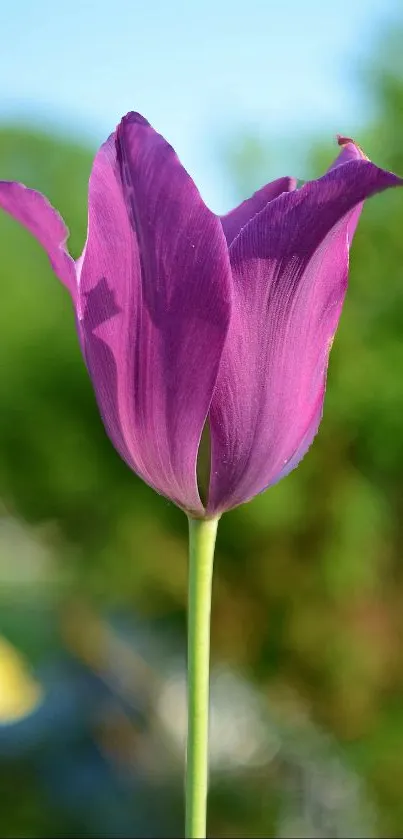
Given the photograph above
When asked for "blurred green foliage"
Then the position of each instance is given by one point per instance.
(309, 577)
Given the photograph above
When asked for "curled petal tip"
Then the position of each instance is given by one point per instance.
(346, 141)
(134, 118)
(342, 141)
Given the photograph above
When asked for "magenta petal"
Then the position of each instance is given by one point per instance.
(233, 221)
(35, 213)
(154, 307)
(290, 267)
(349, 151)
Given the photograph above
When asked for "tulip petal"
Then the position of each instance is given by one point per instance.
(154, 307)
(233, 221)
(35, 213)
(290, 268)
(350, 151)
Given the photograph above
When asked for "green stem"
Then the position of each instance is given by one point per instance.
(202, 536)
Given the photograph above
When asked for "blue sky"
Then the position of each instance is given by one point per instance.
(197, 70)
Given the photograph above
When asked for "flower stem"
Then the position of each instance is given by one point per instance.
(202, 536)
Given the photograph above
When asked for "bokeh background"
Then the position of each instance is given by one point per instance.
(307, 624)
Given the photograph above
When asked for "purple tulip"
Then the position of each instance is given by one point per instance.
(187, 319)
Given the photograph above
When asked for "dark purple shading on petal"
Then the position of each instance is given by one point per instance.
(290, 267)
(154, 308)
(233, 221)
(35, 213)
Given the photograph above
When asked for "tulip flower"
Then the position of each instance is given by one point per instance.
(188, 320)
(193, 324)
